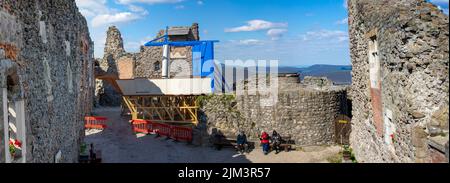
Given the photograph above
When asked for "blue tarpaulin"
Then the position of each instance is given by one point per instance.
(202, 55)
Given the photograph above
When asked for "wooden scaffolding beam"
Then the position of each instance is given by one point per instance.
(164, 109)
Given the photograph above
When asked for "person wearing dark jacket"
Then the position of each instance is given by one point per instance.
(242, 144)
(276, 140)
(265, 142)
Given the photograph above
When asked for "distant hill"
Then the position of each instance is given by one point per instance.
(339, 74)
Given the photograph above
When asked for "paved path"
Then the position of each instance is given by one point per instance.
(120, 145)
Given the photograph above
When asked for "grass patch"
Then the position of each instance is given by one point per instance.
(337, 158)
(348, 152)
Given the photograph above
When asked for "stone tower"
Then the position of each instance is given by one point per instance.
(105, 93)
(114, 43)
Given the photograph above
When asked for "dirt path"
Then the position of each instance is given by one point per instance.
(120, 145)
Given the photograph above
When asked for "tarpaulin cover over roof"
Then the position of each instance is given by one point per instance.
(158, 87)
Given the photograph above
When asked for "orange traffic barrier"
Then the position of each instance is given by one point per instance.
(142, 126)
(175, 132)
(162, 129)
(91, 122)
(181, 133)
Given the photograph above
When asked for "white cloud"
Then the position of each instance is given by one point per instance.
(342, 22)
(276, 34)
(100, 14)
(90, 8)
(256, 25)
(200, 2)
(148, 1)
(138, 9)
(331, 35)
(345, 4)
(247, 42)
(179, 7)
(106, 19)
(132, 46)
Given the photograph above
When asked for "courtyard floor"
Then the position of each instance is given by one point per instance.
(119, 144)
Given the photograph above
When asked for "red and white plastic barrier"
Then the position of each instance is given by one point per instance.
(91, 122)
(142, 126)
(181, 133)
(162, 129)
(170, 131)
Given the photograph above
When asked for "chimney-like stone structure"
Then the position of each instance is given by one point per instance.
(114, 43)
(195, 31)
(106, 95)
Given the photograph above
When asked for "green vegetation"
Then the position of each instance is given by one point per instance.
(12, 150)
(227, 102)
(348, 152)
(224, 97)
(83, 149)
(337, 158)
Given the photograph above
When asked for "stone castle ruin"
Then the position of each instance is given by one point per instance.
(400, 56)
(145, 64)
(398, 103)
(46, 79)
(305, 111)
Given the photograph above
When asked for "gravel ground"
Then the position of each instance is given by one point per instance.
(120, 145)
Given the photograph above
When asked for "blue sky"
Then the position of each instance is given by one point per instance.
(295, 32)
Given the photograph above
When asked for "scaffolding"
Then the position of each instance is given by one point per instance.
(164, 109)
(172, 101)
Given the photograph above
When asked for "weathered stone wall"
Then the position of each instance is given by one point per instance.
(306, 114)
(396, 96)
(50, 55)
(147, 58)
(317, 81)
(180, 57)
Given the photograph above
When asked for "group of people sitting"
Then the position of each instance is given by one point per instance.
(266, 140)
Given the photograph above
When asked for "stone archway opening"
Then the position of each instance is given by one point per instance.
(13, 113)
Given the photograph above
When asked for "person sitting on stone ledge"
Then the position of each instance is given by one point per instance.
(242, 143)
(265, 142)
(276, 141)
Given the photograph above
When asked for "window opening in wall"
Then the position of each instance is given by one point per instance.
(375, 85)
(13, 121)
(374, 63)
(157, 66)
